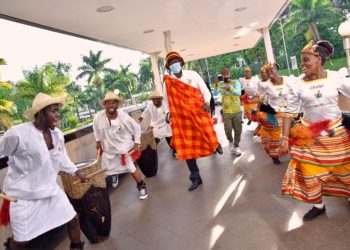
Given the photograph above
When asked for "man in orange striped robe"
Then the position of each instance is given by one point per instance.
(187, 99)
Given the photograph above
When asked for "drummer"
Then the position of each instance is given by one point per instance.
(156, 111)
(117, 134)
(36, 155)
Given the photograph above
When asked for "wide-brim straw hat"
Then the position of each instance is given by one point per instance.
(110, 96)
(41, 101)
(155, 95)
(171, 55)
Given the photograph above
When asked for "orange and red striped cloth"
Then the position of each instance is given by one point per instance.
(193, 129)
(322, 168)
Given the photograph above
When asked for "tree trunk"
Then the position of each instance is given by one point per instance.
(314, 32)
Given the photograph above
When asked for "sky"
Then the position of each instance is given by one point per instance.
(23, 47)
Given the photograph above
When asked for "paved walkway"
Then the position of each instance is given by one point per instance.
(239, 206)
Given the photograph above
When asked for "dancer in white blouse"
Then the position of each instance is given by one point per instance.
(275, 92)
(250, 97)
(320, 145)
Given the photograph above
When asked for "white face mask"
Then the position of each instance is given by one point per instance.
(175, 67)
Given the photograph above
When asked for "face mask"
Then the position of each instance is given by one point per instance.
(227, 79)
(175, 68)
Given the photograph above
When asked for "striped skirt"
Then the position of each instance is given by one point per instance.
(271, 136)
(249, 106)
(322, 168)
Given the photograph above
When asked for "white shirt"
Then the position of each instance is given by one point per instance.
(193, 79)
(119, 136)
(318, 98)
(277, 94)
(33, 169)
(157, 114)
(250, 86)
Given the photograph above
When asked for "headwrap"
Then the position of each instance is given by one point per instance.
(269, 65)
(310, 48)
(247, 69)
(171, 55)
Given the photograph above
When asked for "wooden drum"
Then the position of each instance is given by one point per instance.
(148, 161)
(90, 200)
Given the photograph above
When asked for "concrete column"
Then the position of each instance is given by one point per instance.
(155, 69)
(268, 46)
(167, 41)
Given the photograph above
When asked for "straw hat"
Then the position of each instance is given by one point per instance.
(41, 101)
(155, 95)
(110, 96)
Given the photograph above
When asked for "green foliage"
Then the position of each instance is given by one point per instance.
(72, 121)
(6, 106)
(143, 97)
(93, 67)
(49, 79)
(145, 75)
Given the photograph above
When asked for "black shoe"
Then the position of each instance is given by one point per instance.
(7, 244)
(313, 213)
(219, 149)
(249, 122)
(195, 184)
(77, 246)
(276, 161)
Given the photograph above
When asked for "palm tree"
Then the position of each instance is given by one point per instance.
(45, 80)
(6, 107)
(146, 75)
(73, 91)
(127, 81)
(304, 14)
(93, 67)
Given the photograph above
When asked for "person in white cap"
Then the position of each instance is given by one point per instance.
(117, 134)
(156, 110)
(36, 154)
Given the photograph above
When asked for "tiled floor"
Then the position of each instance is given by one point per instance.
(239, 206)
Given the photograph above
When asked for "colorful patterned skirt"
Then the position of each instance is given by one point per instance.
(322, 168)
(271, 135)
(250, 104)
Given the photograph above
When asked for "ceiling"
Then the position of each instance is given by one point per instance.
(198, 28)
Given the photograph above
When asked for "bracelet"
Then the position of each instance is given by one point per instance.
(285, 137)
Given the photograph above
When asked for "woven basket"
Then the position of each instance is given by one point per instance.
(77, 191)
(147, 138)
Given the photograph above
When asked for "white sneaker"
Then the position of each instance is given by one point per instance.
(237, 151)
(143, 193)
(115, 180)
(231, 147)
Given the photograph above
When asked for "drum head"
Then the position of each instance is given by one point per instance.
(85, 164)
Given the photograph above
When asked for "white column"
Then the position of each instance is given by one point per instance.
(167, 41)
(157, 80)
(268, 45)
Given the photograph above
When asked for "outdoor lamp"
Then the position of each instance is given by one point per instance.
(344, 31)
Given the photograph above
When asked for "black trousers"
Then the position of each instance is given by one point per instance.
(192, 166)
(191, 163)
(168, 140)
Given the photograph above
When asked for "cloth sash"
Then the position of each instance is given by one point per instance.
(192, 128)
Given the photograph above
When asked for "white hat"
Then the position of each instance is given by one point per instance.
(155, 95)
(41, 101)
(109, 97)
